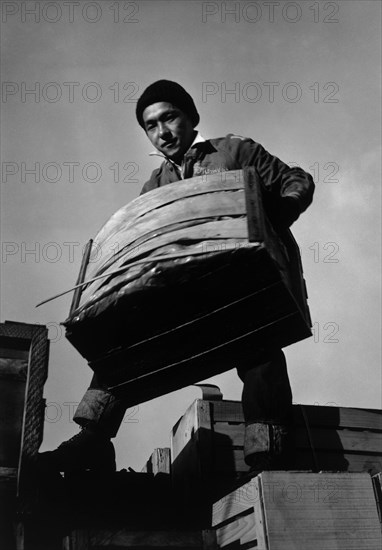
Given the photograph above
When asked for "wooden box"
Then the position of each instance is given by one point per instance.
(203, 279)
(207, 447)
(8, 485)
(159, 463)
(24, 352)
(296, 510)
(147, 539)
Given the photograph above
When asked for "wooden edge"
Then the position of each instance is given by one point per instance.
(159, 462)
(253, 201)
(237, 503)
(81, 277)
(33, 426)
(377, 486)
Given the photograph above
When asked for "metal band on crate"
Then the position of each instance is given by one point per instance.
(310, 438)
(149, 259)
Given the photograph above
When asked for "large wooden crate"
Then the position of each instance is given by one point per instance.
(206, 280)
(24, 350)
(8, 484)
(148, 539)
(159, 463)
(295, 510)
(207, 447)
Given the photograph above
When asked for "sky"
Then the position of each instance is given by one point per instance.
(301, 78)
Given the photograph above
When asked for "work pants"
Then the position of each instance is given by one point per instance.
(266, 400)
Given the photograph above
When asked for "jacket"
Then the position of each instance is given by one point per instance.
(234, 152)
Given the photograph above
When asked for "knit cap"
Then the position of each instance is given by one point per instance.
(171, 92)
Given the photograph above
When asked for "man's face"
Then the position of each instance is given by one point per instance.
(169, 129)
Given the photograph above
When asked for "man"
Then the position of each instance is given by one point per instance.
(168, 115)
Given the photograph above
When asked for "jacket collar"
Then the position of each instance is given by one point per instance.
(198, 139)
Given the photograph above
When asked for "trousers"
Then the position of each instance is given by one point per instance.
(266, 397)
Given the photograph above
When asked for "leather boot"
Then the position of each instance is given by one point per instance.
(267, 447)
(88, 450)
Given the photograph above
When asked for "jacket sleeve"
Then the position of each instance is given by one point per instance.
(279, 179)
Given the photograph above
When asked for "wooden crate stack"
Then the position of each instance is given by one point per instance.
(296, 510)
(151, 521)
(24, 351)
(207, 447)
(159, 462)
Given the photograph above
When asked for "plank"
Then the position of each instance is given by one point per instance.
(342, 440)
(159, 462)
(230, 460)
(341, 417)
(194, 368)
(184, 430)
(12, 389)
(81, 277)
(137, 315)
(312, 519)
(13, 353)
(189, 209)
(294, 510)
(124, 538)
(8, 479)
(253, 204)
(157, 198)
(233, 229)
(238, 503)
(180, 339)
(241, 529)
(377, 485)
(344, 417)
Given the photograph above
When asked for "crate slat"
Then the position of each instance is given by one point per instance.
(289, 510)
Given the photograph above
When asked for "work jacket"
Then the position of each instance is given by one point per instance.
(277, 179)
(234, 153)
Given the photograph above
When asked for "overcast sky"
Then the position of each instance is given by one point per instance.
(302, 78)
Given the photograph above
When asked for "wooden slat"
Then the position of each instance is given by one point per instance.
(377, 484)
(343, 417)
(12, 353)
(304, 510)
(238, 503)
(158, 198)
(254, 207)
(124, 538)
(308, 522)
(233, 229)
(241, 529)
(232, 461)
(159, 462)
(81, 277)
(189, 209)
(343, 440)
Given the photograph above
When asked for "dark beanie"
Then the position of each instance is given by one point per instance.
(170, 92)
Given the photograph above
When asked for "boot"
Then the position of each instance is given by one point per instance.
(88, 450)
(267, 447)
